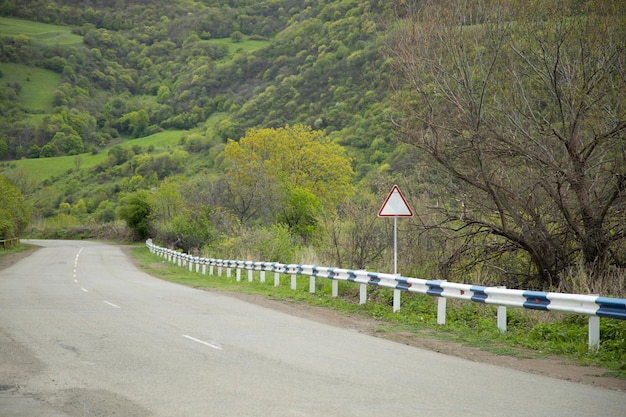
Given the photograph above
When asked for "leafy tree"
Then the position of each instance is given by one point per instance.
(15, 212)
(105, 212)
(236, 36)
(523, 109)
(136, 210)
(68, 143)
(168, 201)
(295, 157)
(136, 122)
(300, 213)
(186, 231)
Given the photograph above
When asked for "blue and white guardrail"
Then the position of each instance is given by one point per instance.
(591, 305)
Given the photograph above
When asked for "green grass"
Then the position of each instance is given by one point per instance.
(159, 140)
(13, 249)
(236, 49)
(39, 32)
(529, 335)
(46, 168)
(38, 86)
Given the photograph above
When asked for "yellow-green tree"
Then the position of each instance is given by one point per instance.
(267, 166)
(14, 210)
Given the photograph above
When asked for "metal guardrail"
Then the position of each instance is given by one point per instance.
(591, 305)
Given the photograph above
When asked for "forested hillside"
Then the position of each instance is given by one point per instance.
(157, 65)
(273, 130)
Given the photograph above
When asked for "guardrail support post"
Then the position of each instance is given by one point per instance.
(190, 266)
(238, 274)
(396, 300)
(219, 271)
(276, 279)
(312, 284)
(203, 269)
(363, 294)
(335, 288)
(293, 281)
(211, 270)
(228, 272)
(250, 273)
(441, 310)
(502, 319)
(594, 332)
(262, 276)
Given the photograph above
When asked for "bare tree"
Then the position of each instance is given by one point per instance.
(524, 109)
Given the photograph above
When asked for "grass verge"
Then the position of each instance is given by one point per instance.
(530, 333)
(20, 247)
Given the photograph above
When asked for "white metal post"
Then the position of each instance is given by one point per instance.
(396, 293)
(395, 245)
(335, 286)
(293, 281)
(502, 319)
(396, 300)
(363, 294)
(262, 276)
(441, 310)
(312, 284)
(276, 279)
(594, 332)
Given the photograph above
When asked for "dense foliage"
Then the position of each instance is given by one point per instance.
(269, 130)
(158, 65)
(14, 210)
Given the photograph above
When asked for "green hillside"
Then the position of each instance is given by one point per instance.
(276, 128)
(45, 169)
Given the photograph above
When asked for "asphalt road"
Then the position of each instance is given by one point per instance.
(83, 332)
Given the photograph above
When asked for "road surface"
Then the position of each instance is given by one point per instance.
(83, 332)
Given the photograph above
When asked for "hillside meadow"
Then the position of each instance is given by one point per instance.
(39, 32)
(37, 86)
(42, 169)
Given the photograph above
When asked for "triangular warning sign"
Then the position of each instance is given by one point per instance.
(395, 205)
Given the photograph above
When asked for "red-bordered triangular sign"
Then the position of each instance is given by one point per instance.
(395, 205)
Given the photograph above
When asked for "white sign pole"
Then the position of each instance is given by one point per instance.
(396, 293)
(395, 245)
(395, 206)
